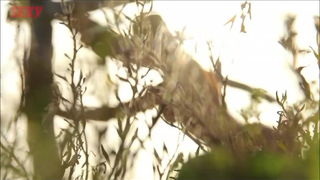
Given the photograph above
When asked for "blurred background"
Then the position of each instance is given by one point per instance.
(248, 45)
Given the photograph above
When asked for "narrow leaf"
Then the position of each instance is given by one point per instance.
(105, 154)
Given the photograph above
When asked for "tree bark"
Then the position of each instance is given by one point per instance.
(39, 77)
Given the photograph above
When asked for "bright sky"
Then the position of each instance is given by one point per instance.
(254, 58)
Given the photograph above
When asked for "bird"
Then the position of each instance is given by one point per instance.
(190, 95)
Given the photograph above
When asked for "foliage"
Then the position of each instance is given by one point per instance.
(297, 156)
(232, 151)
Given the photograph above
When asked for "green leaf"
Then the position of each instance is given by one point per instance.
(102, 49)
(106, 42)
(105, 154)
(282, 146)
(198, 151)
(156, 155)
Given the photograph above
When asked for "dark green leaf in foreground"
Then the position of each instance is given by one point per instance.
(220, 164)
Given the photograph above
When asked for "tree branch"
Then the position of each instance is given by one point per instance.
(104, 113)
(148, 101)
